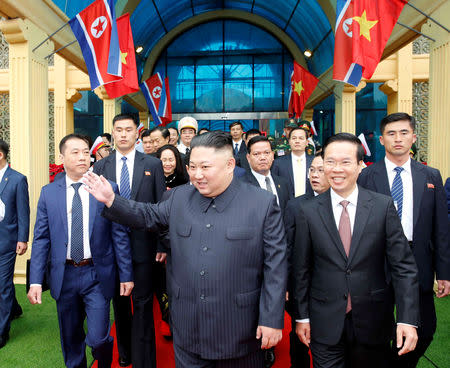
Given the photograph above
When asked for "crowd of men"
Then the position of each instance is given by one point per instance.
(261, 227)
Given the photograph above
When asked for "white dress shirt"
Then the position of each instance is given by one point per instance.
(408, 202)
(262, 183)
(300, 175)
(2, 172)
(84, 195)
(130, 165)
(182, 148)
(2, 205)
(238, 143)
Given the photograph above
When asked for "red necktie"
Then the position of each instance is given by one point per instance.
(345, 232)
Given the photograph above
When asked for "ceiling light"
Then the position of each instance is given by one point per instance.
(308, 53)
(139, 49)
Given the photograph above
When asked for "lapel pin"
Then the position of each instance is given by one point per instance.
(278, 185)
(430, 185)
(147, 173)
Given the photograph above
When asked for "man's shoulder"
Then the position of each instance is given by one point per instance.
(367, 194)
(282, 159)
(149, 159)
(14, 174)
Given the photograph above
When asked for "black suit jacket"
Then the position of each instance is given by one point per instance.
(282, 186)
(283, 167)
(241, 160)
(430, 226)
(147, 186)
(324, 275)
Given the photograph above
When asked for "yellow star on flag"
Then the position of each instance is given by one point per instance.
(298, 87)
(123, 57)
(365, 25)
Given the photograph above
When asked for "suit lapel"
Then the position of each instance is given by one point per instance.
(363, 209)
(252, 179)
(326, 213)
(110, 167)
(381, 181)
(61, 198)
(4, 180)
(92, 212)
(290, 170)
(138, 173)
(419, 180)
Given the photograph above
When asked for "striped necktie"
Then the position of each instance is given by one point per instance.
(125, 190)
(397, 190)
(76, 231)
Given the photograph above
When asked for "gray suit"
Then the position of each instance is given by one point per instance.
(227, 266)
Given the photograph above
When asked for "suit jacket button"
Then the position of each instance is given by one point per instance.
(202, 272)
(202, 297)
(208, 226)
(349, 271)
(205, 249)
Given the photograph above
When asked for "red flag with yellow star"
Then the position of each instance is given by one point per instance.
(372, 25)
(129, 82)
(303, 84)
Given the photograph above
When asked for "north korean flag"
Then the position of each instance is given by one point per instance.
(95, 29)
(157, 95)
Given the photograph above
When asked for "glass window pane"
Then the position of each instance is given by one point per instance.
(268, 86)
(238, 83)
(209, 84)
(181, 82)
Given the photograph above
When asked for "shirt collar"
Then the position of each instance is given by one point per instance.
(3, 171)
(129, 156)
(238, 143)
(336, 198)
(222, 200)
(69, 181)
(390, 166)
(295, 157)
(260, 177)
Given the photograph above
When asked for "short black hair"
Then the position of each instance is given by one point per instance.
(164, 131)
(68, 137)
(234, 123)
(345, 137)
(203, 129)
(180, 169)
(397, 116)
(4, 148)
(256, 139)
(252, 131)
(173, 129)
(145, 133)
(119, 117)
(216, 139)
(107, 136)
(298, 128)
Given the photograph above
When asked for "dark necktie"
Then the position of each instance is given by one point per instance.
(76, 239)
(187, 151)
(345, 232)
(268, 186)
(236, 149)
(397, 191)
(125, 190)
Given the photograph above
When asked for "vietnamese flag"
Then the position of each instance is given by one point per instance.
(129, 83)
(303, 84)
(373, 22)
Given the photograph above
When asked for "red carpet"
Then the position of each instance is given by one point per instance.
(164, 350)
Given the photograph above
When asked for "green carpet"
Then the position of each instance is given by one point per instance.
(34, 337)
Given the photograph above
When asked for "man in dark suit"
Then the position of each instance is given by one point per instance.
(14, 229)
(141, 178)
(294, 166)
(260, 157)
(344, 307)
(85, 251)
(241, 158)
(420, 200)
(237, 132)
(319, 183)
(227, 263)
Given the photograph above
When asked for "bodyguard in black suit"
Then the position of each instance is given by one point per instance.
(241, 158)
(421, 207)
(299, 351)
(237, 131)
(260, 157)
(227, 263)
(344, 306)
(294, 166)
(143, 181)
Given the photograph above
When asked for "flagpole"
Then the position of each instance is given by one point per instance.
(54, 52)
(415, 30)
(65, 24)
(427, 16)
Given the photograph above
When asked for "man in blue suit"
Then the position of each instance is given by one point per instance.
(14, 228)
(294, 166)
(419, 197)
(84, 250)
(227, 266)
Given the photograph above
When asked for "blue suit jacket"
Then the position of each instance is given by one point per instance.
(109, 242)
(16, 224)
(283, 167)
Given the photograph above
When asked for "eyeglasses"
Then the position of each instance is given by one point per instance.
(332, 163)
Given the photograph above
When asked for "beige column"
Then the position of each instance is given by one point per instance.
(28, 108)
(399, 91)
(111, 107)
(64, 99)
(439, 108)
(307, 114)
(143, 118)
(345, 107)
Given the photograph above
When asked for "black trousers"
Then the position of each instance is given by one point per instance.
(298, 351)
(136, 333)
(186, 359)
(348, 353)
